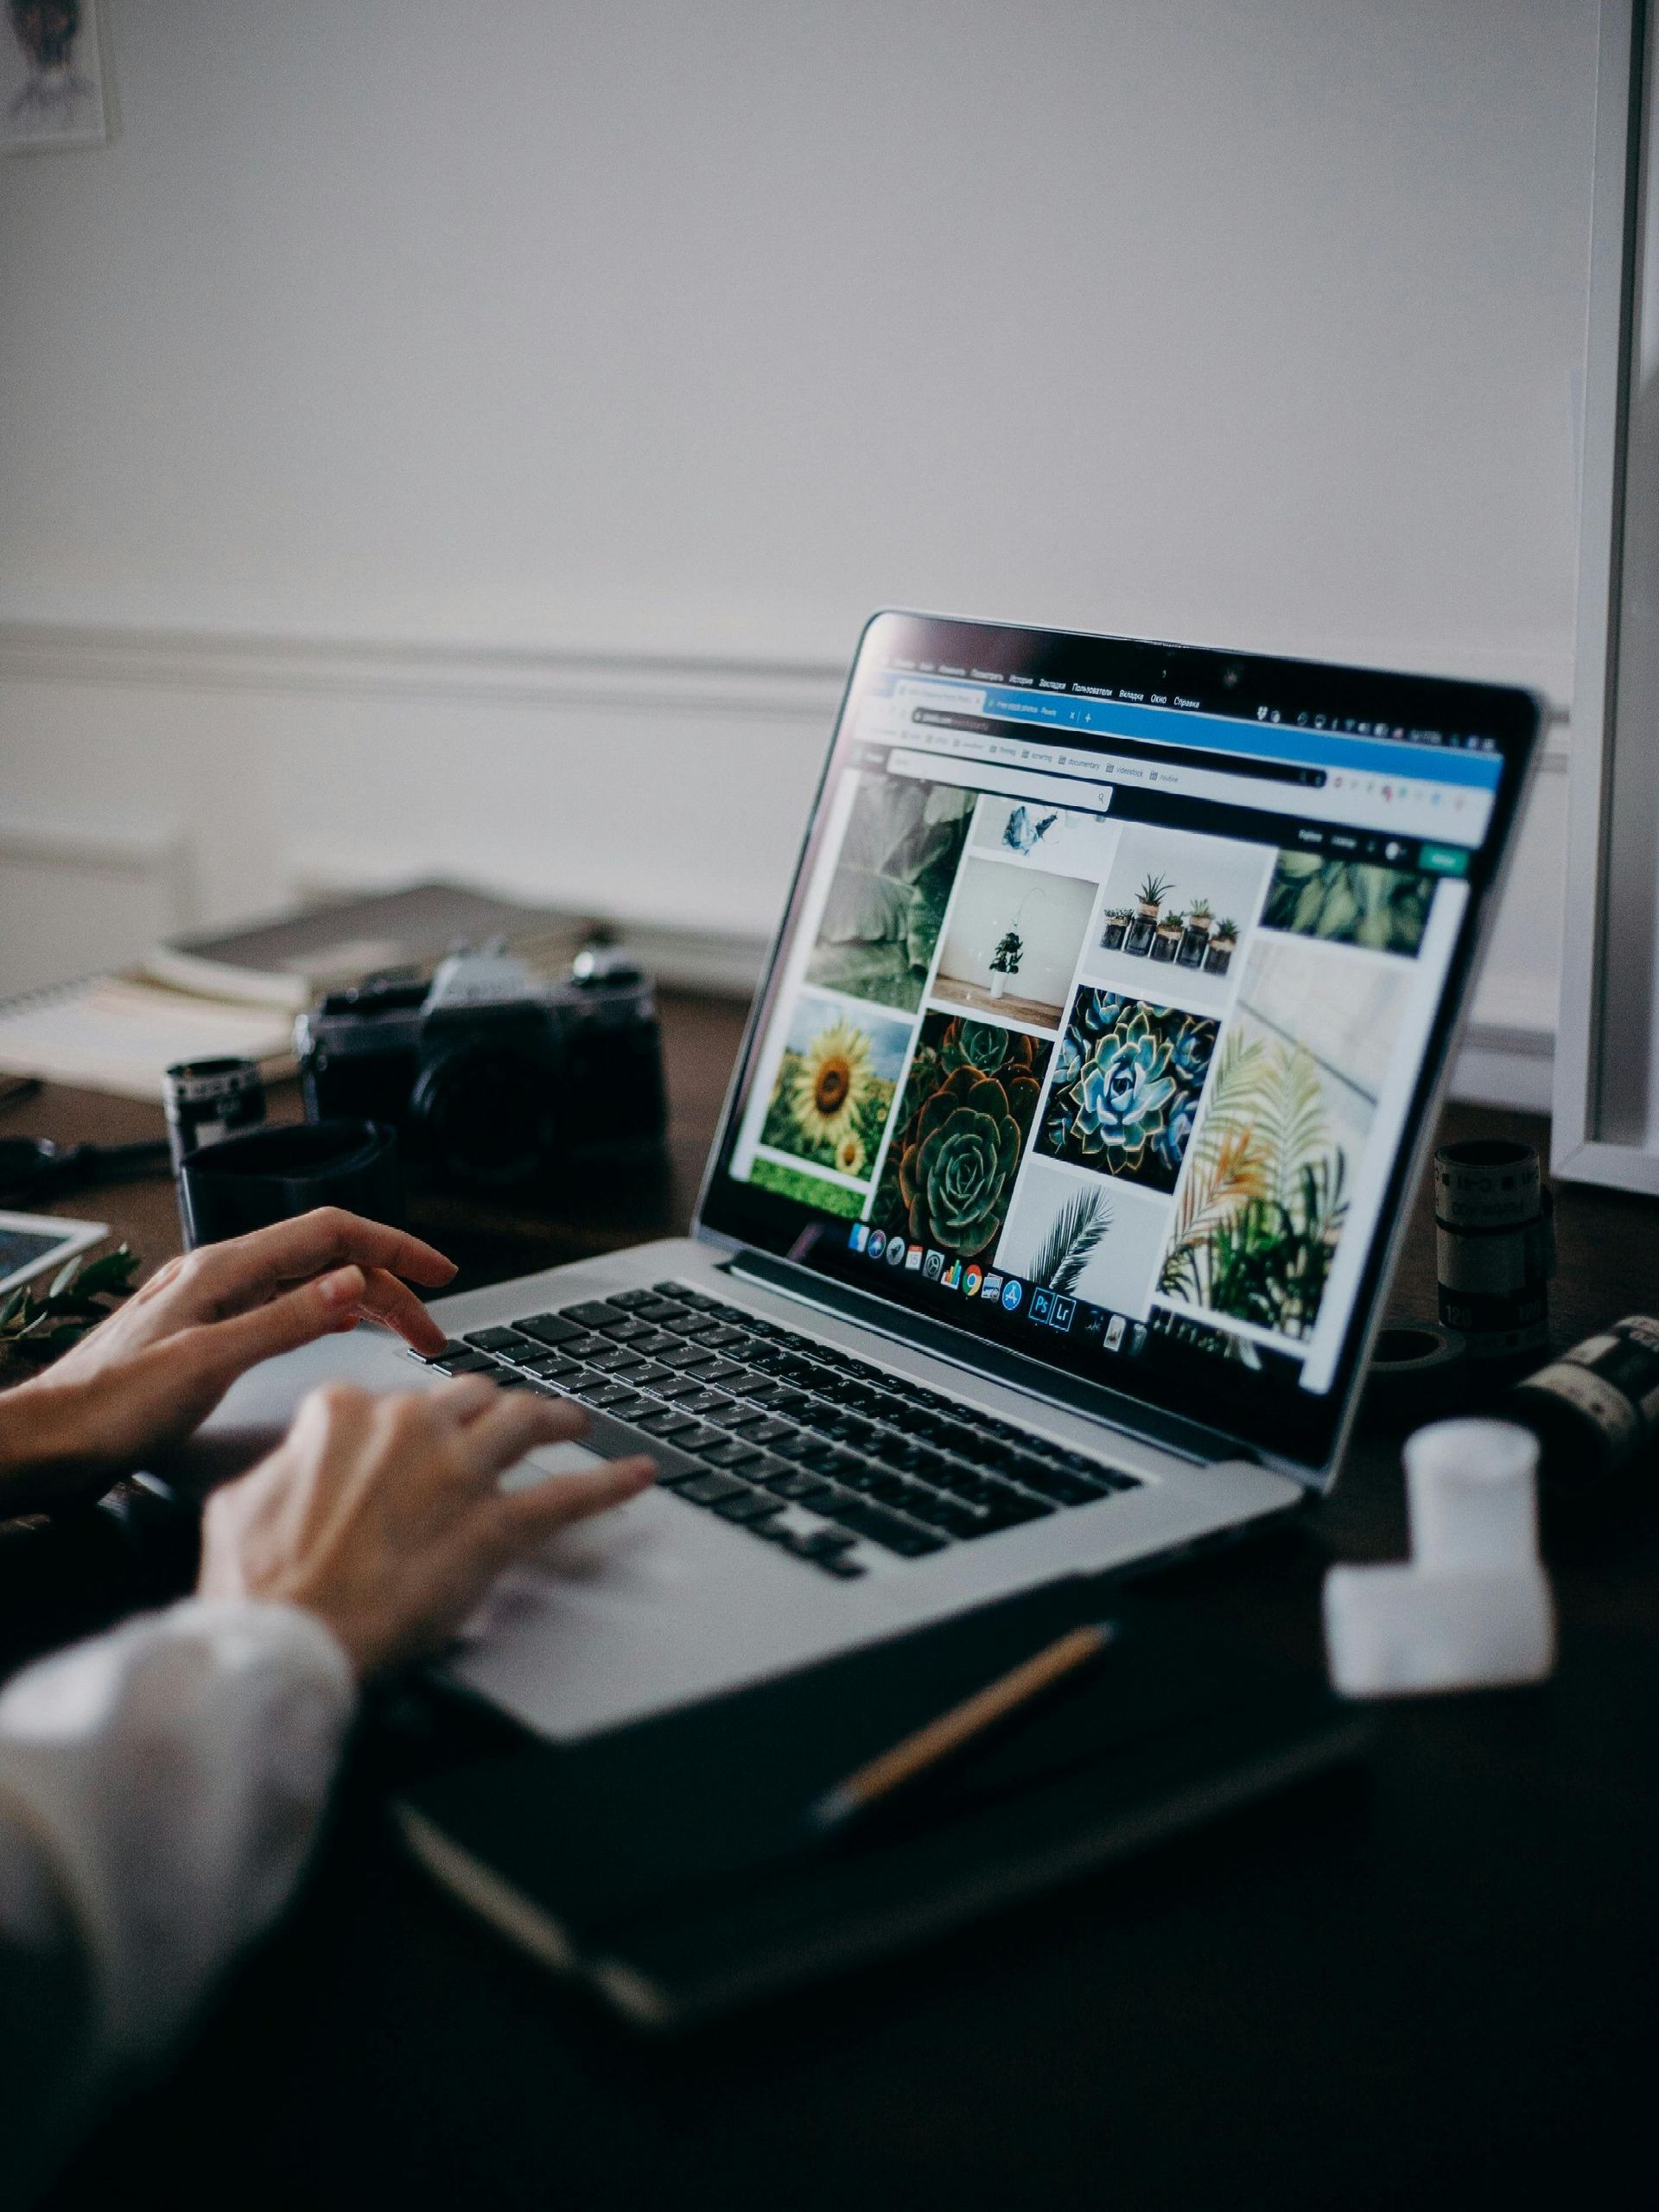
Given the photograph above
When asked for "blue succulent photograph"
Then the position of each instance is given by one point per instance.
(1127, 1083)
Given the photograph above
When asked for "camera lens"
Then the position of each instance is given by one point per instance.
(488, 1114)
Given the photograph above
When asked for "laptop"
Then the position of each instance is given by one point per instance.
(1052, 1206)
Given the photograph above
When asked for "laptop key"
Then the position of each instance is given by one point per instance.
(796, 1485)
(1008, 1510)
(709, 1404)
(629, 1406)
(768, 1395)
(631, 1301)
(675, 1387)
(627, 1330)
(719, 1338)
(820, 1543)
(757, 1505)
(767, 1470)
(763, 1428)
(727, 1375)
(495, 1340)
(689, 1356)
(1058, 1485)
(611, 1394)
(894, 1533)
(655, 1344)
(620, 1361)
(710, 1490)
(592, 1313)
(548, 1328)
(668, 1422)
(538, 1357)
(796, 1448)
(701, 1441)
(464, 1363)
(733, 1452)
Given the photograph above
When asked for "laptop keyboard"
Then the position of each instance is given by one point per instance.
(819, 1454)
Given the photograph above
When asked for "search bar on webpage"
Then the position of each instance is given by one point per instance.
(1007, 783)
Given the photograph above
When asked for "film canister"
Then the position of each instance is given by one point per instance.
(1495, 1248)
(208, 1100)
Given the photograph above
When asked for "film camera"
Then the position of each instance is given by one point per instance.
(492, 1075)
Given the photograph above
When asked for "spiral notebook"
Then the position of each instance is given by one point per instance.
(120, 1033)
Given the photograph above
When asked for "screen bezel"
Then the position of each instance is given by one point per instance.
(1295, 1429)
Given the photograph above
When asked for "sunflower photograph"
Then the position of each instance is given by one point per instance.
(833, 1091)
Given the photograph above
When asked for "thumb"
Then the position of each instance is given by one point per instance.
(319, 1308)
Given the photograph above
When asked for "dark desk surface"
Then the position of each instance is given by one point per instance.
(1426, 1984)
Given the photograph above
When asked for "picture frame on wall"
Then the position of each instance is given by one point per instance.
(52, 76)
(1605, 1105)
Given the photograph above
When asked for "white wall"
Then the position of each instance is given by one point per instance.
(526, 346)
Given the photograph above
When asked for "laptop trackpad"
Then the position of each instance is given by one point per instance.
(550, 1459)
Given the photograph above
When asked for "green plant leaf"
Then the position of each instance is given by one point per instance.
(111, 1272)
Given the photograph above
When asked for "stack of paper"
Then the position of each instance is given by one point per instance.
(120, 1033)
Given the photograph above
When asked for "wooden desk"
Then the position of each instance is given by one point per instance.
(1423, 1987)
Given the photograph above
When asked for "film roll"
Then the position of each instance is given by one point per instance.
(1495, 1248)
(206, 1101)
(1418, 1371)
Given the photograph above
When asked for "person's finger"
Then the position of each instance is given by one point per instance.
(538, 1394)
(299, 1317)
(386, 1300)
(228, 1278)
(521, 1519)
(459, 1401)
(517, 1423)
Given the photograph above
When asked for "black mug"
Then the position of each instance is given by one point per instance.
(273, 1174)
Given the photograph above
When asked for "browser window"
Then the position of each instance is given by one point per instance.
(1104, 1005)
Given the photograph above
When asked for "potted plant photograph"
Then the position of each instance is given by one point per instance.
(1005, 961)
(1167, 937)
(1117, 929)
(1143, 924)
(1223, 939)
(1195, 937)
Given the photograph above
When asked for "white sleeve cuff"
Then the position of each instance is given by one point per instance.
(172, 1774)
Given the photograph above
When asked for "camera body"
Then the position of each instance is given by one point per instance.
(492, 1076)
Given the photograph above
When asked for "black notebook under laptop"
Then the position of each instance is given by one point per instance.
(668, 1864)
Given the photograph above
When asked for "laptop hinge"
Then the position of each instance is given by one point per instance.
(1190, 1440)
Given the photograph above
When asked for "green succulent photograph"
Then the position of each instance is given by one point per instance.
(834, 1088)
(806, 1188)
(1263, 1201)
(891, 884)
(967, 1110)
(1349, 902)
(1126, 1087)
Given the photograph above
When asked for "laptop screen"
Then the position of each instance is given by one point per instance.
(1110, 1000)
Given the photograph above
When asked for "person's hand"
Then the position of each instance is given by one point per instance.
(141, 1382)
(384, 1516)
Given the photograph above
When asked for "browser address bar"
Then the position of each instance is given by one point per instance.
(1008, 783)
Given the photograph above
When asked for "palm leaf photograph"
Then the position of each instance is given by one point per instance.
(1073, 1237)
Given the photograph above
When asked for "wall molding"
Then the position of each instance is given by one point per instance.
(1508, 1041)
(109, 654)
(154, 656)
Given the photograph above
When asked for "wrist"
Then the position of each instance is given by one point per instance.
(42, 1444)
